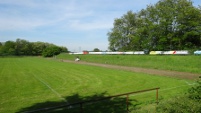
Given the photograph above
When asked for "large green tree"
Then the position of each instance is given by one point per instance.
(122, 36)
(166, 25)
(96, 50)
(8, 48)
(38, 48)
(23, 47)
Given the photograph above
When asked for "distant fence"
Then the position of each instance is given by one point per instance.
(95, 100)
(177, 52)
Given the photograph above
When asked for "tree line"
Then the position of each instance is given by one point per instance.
(22, 47)
(166, 25)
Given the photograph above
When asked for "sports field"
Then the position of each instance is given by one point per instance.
(29, 83)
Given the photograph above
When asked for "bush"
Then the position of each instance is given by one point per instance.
(188, 103)
(195, 92)
(180, 104)
(51, 51)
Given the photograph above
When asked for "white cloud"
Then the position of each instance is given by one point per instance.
(27, 3)
(18, 24)
(19, 15)
(90, 25)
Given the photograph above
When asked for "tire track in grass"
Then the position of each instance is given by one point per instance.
(170, 88)
(40, 79)
(81, 77)
(46, 84)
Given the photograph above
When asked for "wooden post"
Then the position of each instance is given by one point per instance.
(156, 96)
(81, 110)
(127, 104)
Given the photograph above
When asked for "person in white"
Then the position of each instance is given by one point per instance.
(77, 59)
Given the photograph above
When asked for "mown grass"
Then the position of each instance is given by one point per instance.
(31, 81)
(187, 63)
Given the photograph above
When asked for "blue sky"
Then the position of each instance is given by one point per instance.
(76, 24)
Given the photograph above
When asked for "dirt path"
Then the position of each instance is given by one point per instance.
(175, 74)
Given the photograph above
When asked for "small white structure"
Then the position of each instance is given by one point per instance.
(198, 52)
(77, 59)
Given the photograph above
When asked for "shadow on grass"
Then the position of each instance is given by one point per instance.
(90, 104)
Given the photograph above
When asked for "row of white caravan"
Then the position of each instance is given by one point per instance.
(169, 52)
(183, 52)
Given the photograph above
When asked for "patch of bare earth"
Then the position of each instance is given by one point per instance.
(175, 74)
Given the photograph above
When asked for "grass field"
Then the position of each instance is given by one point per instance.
(28, 83)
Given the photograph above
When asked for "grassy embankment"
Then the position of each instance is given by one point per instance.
(187, 63)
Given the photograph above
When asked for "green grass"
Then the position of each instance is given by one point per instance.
(165, 62)
(34, 81)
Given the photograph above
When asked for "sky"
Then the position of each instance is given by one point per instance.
(76, 24)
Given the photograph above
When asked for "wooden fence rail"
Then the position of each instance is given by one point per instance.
(95, 100)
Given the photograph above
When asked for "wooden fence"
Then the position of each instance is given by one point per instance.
(95, 100)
